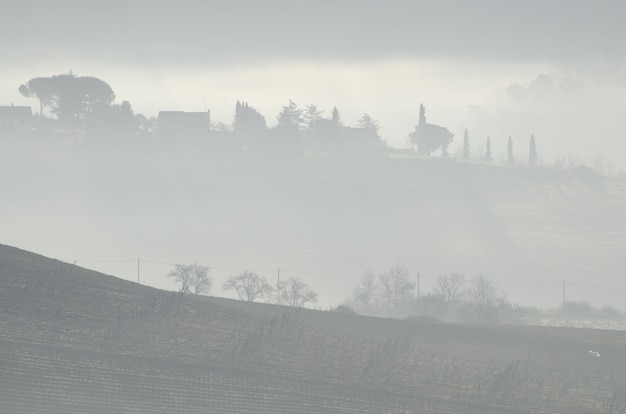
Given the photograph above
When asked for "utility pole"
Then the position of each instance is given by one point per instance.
(418, 284)
(278, 285)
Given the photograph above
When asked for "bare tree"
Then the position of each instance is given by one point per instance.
(193, 278)
(366, 292)
(294, 292)
(248, 286)
(483, 296)
(395, 284)
(450, 287)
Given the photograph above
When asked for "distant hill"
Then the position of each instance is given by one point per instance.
(74, 341)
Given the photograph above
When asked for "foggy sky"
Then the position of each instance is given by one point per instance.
(193, 32)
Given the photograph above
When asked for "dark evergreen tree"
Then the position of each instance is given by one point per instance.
(509, 151)
(335, 117)
(367, 122)
(532, 152)
(422, 119)
(429, 137)
(113, 121)
(248, 121)
(290, 117)
(488, 150)
(466, 148)
(312, 115)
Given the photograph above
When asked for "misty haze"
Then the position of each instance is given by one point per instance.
(338, 196)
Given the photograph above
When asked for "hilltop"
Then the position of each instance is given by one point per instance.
(74, 340)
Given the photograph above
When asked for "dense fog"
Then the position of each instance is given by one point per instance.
(325, 219)
(493, 68)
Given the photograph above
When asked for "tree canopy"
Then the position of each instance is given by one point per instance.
(248, 286)
(113, 121)
(312, 115)
(429, 137)
(294, 292)
(193, 278)
(290, 116)
(396, 285)
(248, 121)
(367, 122)
(69, 97)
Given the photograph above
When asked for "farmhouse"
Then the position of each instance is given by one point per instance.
(15, 120)
(180, 124)
(356, 139)
(325, 135)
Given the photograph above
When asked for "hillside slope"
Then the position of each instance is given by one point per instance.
(73, 340)
(528, 229)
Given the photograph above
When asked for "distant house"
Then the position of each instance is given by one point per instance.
(358, 139)
(179, 124)
(327, 136)
(15, 120)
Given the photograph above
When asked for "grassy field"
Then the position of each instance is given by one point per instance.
(74, 341)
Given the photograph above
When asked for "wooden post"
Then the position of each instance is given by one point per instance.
(278, 286)
(418, 284)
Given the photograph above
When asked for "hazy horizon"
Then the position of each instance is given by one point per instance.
(496, 68)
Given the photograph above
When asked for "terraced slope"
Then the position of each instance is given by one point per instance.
(75, 341)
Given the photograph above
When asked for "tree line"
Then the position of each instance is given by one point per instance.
(392, 292)
(248, 286)
(88, 103)
(510, 158)
(387, 293)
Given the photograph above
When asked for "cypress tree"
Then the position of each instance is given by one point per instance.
(532, 151)
(466, 149)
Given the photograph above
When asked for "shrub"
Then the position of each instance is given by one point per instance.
(344, 309)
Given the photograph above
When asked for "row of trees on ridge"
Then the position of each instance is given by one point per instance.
(391, 292)
(249, 286)
(510, 158)
(88, 102)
